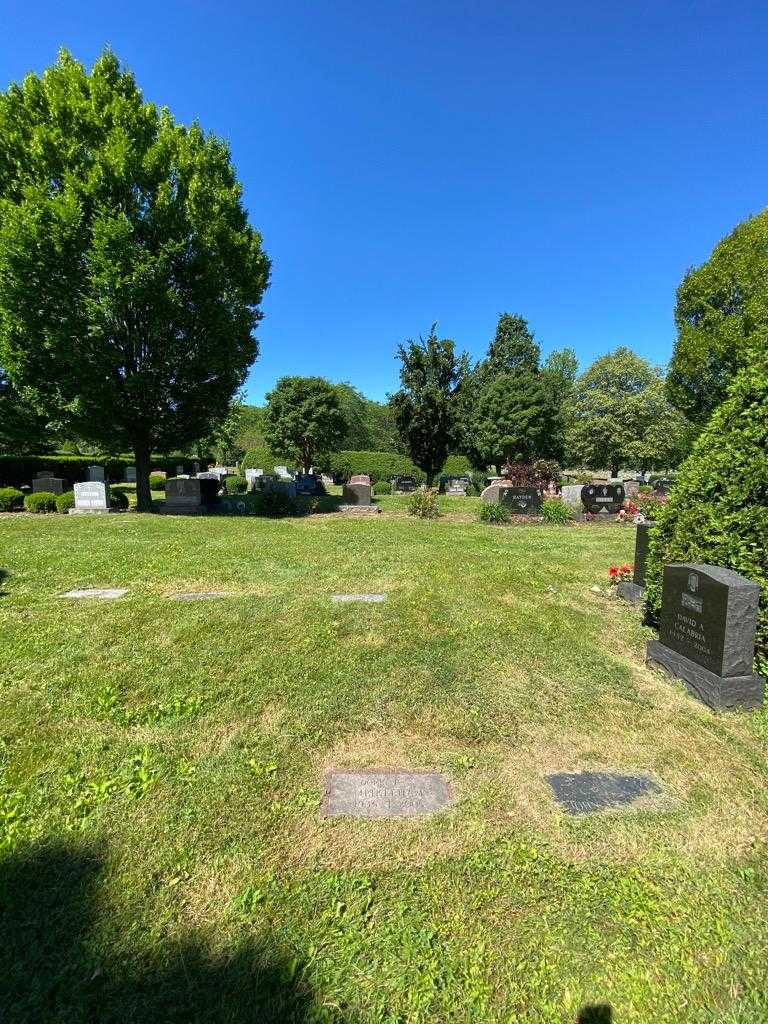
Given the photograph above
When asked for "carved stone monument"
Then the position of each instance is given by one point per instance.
(96, 473)
(48, 484)
(91, 498)
(184, 496)
(707, 634)
(600, 497)
(357, 490)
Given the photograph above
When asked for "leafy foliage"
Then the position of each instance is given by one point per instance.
(717, 511)
(424, 504)
(11, 500)
(494, 512)
(425, 407)
(722, 306)
(129, 276)
(22, 428)
(65, 501)
(621, 416)
(156, 482)
(370, 425)
(304, 421)
(382, 487)
(556, 511)
(40, 501)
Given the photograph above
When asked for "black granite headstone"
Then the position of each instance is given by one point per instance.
(707, 634)
(523, 501)
(603, 497)
(585, 792)
(634, 590)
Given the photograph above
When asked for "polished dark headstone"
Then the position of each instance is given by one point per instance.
(585, 792)
(634, 590)
(524, 501)
(384, 794)
(707, 634)
(603, 497)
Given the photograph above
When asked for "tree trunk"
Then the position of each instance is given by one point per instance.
(614, 470)
(143, 493)
(430, 479)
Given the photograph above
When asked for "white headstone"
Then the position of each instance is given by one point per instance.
(91, 496)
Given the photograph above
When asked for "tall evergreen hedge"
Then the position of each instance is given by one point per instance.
(18, 470)
(718, 510)
(378, 465)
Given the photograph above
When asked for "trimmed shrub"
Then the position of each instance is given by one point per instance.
(156, 482)
(718, 510)
(118, 498)
(456, 465)
(423, 503)
(556, 511)
(259, 458)
(65, 501)
(40, 501)
(650, 505)
(11, 500)
(494, 512)
(382, 487)
(235, 485)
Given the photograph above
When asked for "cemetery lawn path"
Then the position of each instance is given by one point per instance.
(162, 855)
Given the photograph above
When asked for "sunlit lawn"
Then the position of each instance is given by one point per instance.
(162, 765)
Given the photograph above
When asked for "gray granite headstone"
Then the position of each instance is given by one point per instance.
(524, 501)
(91, 496)
(48, 484)
(707, 634)
(357, 490)
(365, 598)
(130, 474)
(405, 484)
(384, 794)
(184, 495)
(96, 473)
(586, 792)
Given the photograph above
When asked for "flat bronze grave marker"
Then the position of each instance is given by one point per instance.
(586, 792)
(384, 794)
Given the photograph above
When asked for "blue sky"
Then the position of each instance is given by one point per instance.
(417, 161)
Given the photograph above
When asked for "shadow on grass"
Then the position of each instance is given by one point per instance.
(3, 576)
(54, 968)
(596, 1013)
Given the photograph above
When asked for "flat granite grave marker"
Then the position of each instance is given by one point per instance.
(586, 792)
(707, 634)
(634, 590)
(366, 598)
(384, 794)
(198, 595)
(99, 593)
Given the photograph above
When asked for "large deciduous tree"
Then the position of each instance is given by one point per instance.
(425, 407)
(22, 428)
(621, 416)
(303, 421)
(130, 278)
(722, 306)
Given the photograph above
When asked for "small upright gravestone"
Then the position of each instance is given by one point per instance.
(662, 487)
(48, 484)
(405, 484)
(520, 500)
(707, 634)
(130, 474)
(91, 498)
(634, 591)
(252, 475)
(599, 497)
(96, 473)
(357, 490)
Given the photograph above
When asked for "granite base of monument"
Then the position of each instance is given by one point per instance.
(630, 592)
(721, 693)
(92, 511)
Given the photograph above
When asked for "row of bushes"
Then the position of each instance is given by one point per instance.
(15, 470)
(12, 500)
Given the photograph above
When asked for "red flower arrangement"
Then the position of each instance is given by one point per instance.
(619, 574)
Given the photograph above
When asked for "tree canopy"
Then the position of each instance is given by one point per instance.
(721, 307)
(304, 421)
(130, 278)
(425, 407)
(22, 429)
(621, 416)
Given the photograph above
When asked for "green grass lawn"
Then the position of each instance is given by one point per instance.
(163, 858)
